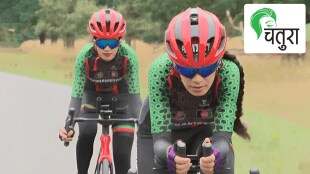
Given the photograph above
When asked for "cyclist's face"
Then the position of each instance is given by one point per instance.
(198, 85)
(107, 54)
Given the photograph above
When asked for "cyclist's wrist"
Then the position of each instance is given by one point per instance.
(171, 154)
(218, 161)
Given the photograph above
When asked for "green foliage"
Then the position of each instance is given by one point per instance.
(147, 20)
(109, 3)
(17, 15)
(66, 19)
(150, 26)
(150, 18)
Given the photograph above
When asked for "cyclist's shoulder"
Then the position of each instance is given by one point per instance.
(229, 66)
(162, 62)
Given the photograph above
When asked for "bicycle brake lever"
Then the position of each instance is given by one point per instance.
(181, 149)
(69, 123)
(207, 149)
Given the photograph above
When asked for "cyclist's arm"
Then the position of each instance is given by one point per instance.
(132, 77)
(80, 77)
(160, 112)
(132, 68)
(226, 109)
(162, 141)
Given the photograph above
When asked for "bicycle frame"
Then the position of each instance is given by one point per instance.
(105, 140)
(104, 153)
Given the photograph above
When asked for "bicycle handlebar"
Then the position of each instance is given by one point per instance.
(206, 151)
(103, 111)
(181, 151)
(107, 121)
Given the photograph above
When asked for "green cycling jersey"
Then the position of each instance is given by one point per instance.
(80, 74)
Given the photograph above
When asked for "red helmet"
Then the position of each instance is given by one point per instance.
(107, 24)
(195, 38)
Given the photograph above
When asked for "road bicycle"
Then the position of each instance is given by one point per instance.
(108, 115)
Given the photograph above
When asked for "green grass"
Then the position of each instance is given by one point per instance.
(35, 66)
(41, 67)
(277, 146)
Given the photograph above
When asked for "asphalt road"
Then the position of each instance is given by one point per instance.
(32, 111)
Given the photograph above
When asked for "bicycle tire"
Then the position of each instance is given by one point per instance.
(106, 168)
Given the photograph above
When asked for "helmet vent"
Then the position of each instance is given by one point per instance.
(116, 26)
(209, 46)
(181, 48)
(99, 26)
(92, 26)
(108, 27)
(194, 19)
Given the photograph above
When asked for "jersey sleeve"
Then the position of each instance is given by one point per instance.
(159, 94)
(228, 95)
(131, 69)
(80, 70)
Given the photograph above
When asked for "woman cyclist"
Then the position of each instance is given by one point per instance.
(195, 94)
(105, 66)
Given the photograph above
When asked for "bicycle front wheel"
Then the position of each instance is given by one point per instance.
(106, 168)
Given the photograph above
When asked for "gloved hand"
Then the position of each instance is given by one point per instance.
(65, 136)
(207, 164)
(177, 164)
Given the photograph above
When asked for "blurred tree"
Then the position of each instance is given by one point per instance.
(134, 19)
(50, 18)
(66, 19)
(109, 3)
(148, 19)
(40, 30)
(18, 15)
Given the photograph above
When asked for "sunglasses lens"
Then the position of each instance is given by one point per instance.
(187, 72)
(191, 72)
(206, 71)
(103, 43)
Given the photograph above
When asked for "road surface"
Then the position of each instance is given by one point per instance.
(32, 111)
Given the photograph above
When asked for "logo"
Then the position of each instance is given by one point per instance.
(274, 28)
(114, 74)
(99, 75)
(180, 116)
(205, 114)
(204, 102)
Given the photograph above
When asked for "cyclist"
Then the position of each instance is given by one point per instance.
(105, 66)
(195, 94)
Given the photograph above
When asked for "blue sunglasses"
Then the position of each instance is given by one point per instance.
(103, 43)
(191, 72)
